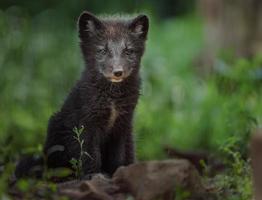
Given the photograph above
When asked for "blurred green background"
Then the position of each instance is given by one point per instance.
(181, 105)
(202, 76)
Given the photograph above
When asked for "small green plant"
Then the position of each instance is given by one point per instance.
(235, 182)
(77, 163)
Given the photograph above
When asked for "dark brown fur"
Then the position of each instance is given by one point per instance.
(103, 107)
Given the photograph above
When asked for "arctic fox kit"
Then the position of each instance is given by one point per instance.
(103, 100)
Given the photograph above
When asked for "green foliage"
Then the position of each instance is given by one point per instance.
(5, 175)
(235, 183)
(164, 8)
(30, 188)
(182, 194)
(57, 173)
(195, 113)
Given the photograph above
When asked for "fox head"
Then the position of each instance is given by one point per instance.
(112, 48)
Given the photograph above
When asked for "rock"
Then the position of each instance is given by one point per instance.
(158, 179)
(99, 188)
(144, 181)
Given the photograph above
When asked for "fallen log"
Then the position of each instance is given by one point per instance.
(196, 157)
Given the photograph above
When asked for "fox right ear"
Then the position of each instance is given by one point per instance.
(88, 25)
(139, 26)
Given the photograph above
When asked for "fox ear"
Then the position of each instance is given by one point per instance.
(89, 25)
(139, 26)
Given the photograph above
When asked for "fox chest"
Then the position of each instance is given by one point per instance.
(110, 114)
(113, 115)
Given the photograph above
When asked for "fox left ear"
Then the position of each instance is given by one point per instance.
(139, 26)
(89, 25)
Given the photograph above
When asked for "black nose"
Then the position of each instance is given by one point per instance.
(118, 73)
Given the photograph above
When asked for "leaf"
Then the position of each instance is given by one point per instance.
(23, 185)
(73, 161)
(81, 129)
(60, 172)
(75, 130)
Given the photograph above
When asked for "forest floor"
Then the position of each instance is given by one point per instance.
(143, 181)
(182, 177)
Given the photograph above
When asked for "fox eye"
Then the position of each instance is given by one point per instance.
(129, 51)
(102, 51)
